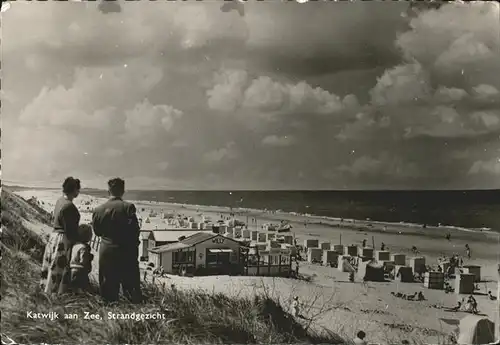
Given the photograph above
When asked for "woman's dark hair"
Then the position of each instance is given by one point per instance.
(361, 335)
(71, 185)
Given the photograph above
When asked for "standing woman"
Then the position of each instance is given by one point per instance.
(55, 267)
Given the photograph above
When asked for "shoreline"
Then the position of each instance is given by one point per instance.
(364, 227)
(354, 225)
(309, 217)
(270, 213)
(397, 237)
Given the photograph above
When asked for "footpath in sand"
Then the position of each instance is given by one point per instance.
(343, 307)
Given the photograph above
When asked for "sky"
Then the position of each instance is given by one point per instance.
(183, 95)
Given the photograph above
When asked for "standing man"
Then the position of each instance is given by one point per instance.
(116, 223)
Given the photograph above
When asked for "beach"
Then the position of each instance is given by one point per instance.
(336, 303)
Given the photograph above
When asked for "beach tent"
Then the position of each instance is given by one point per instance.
(476, 329)
(371, 271)
(235, 222)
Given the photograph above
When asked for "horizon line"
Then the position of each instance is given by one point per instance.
(269, 190)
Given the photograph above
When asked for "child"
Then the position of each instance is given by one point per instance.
(294, 306)
(492, 298)
(81, 259)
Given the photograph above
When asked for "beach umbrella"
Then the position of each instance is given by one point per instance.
(475, 329)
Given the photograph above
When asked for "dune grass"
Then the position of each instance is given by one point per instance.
(190, 317)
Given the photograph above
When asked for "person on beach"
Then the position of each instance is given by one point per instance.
(467, 251)
(116, 223)
(491, 297)
(295, 307)
(450, 272)
(81, 260)
(473, 304)
(382, 246)
(457, 307)
(56, 274)
(161, 271)
(364, 243)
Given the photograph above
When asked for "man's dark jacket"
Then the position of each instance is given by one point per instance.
(116, 223)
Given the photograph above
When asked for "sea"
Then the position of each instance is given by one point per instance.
(470, 209)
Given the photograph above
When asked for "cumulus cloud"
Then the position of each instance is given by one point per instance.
(486, 167)
(402, 84)
(280, 141)
(107, 31)
(486, 93)
(445, 45)
(89, 124)
(449, 94)
(146, 120)
(363, 126)
(447, 122)
(228, 152)
(487, 120)
(95, 101)
(449, 71)
(134, 93)
(227, 93)
(235, 89)
(93, 90)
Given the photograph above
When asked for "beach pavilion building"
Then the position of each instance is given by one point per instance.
(151, 237)
(203, 252)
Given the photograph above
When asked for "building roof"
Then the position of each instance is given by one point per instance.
(169, 247)
(173, 235)
(192, 239)
(199, 237)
